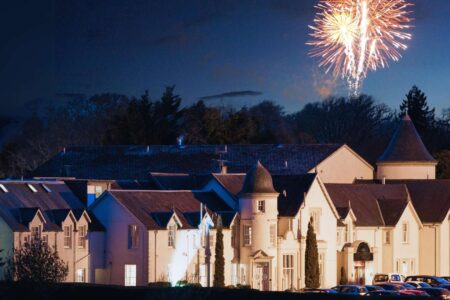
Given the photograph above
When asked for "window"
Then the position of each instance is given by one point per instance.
(82, 236)
(133, 236)
(32, 188)
(171, 236)
(262, 206)
(68, 236)
(247, 235)
(273, 235)
(45, 239)
(46, 188)
(387, 237)
(288, 271)
(3, 188)
(80, 275)
(211, 239)
(315, 215)
(98, 191)
(35, 233)
(130, 275)
(405, 233)
(347, 234)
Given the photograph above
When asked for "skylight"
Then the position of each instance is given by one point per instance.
(46, 188)
(3, 188)
(32, 188)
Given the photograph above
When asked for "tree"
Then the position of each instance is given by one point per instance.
(312, 275)
(443, 166)
(344, 279)
(35, 261)
(417, 108)
(219, 262)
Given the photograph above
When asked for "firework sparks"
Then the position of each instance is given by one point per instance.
(352, 37)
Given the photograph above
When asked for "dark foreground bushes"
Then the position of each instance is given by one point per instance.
(13, 291)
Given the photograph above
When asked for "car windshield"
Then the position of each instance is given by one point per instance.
(396, 278)
(408, 286)
(381, 278)
(441, 281)
(347, 289)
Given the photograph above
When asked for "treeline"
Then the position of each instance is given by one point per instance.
(110, 119)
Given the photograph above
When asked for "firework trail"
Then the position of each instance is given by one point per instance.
(351, 37)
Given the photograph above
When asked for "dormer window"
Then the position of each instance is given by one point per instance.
(46, 188)
(3, 188)
(32, 188)
(261, 206)
(171, 236)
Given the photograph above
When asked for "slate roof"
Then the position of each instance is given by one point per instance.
(154, 208)
(373, 205)
(258, 180)
(292, 189)
(19, 204)
(136, 162)
(176, 181)
(406, 145)
(231, 182)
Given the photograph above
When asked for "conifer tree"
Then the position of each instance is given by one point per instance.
(219, 262)
(417, 107)
(312, 275)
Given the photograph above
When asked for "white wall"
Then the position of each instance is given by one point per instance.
(406, 171)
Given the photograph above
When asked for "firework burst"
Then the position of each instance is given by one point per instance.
(352, 37)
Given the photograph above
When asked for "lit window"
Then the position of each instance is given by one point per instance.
(405, 233)
(67, 236)
(98, 191)
(32, 188)
(247, 235)
(35, 233)
(273, 235)
(387, 237)
(171, 236)
(3, 188)
(133, 237)
(261, 206)
(288, 271)
(81, 275)
(130, 275)
(82, 236)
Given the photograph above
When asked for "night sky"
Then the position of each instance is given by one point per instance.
(57, 50)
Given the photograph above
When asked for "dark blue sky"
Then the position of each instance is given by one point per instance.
(54, 50)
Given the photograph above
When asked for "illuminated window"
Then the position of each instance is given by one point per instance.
(82, 236)
(171, 236)
(247, 235)
(288, 271)
(273, 235)
(46, 188)
(133, 236)
(405, 233)
(315, 215)
(32, 188)
(261, 206)
(35, 233)
(80, 275)
(387, 237)
(68, 236)
(130, 275)
(98, 191)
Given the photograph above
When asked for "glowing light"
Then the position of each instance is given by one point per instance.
(352, 37)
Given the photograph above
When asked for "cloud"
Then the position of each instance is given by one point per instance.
(233, 94)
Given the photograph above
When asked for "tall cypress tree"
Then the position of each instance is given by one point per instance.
(219, 262)
(312, 275)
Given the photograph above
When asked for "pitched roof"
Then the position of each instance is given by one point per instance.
(152, 208)
(177, 181)
(136, 162)
(20, 203)
(373, 205)
(406, 145)
(292, 189)
(231, 182)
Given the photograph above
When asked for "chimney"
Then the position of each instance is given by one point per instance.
(223, 169)
(383, 181)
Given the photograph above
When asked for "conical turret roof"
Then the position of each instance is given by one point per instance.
(258, 180)
(406, 145)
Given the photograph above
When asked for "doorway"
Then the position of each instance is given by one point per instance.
(261, 276)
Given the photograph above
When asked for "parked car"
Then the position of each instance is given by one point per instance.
(437, 293)
(431, 280)
(446, 278)
(350, 289)
(372, 288)
(402, 288)
(445, 286)
(419, 284)
(383, 293)
(318, 291)
(389, 277)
